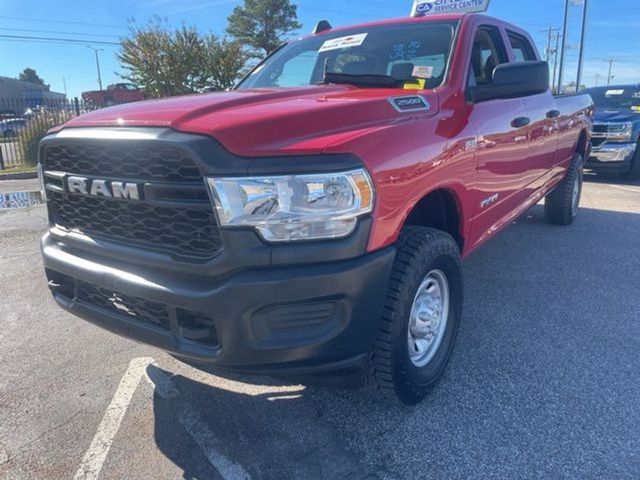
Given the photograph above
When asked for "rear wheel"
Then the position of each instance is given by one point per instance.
(420, 319)
(562, 204)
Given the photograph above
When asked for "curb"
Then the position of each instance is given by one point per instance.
(18, 175)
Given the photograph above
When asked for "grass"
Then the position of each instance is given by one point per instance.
(18, 169)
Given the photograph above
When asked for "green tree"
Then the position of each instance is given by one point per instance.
(30, 75)
(263, 24)
(169, 62)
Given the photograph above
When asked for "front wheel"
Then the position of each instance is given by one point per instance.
(562, 204)
(420, 319)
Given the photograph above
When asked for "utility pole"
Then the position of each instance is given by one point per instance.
(582, 38)
(597, 79)
(549, 31)
(564, 43)
(555, 59)
(610, 61)
(64, 83)
(96, 50)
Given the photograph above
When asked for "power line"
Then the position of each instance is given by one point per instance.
(55, 39)
(59, 32)
(68, 22)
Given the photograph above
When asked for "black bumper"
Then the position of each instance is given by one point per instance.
(297, 318)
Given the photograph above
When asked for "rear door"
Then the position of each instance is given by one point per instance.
(502, 140)
(543, 115)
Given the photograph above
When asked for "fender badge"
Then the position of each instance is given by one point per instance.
(409, 103)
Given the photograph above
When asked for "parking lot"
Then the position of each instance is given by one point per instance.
(543, 382)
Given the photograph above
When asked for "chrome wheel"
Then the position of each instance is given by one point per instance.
(575, 195)
(428, 318)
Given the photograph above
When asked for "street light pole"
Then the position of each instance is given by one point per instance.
(582, 37)
(96, 50)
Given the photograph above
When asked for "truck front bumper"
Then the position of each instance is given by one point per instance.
(612, 156)
(301, 318)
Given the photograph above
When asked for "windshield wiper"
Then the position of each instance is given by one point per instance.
(362, 80)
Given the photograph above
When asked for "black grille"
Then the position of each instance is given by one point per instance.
(155, 163)
(597, 141)
(124, 305)
(182, 231)
(601, 128)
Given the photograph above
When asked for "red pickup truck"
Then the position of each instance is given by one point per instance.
(314, 219)
(114, 94)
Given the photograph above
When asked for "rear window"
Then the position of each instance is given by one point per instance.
(522, 49)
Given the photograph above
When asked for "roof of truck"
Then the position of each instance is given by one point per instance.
(409, 19)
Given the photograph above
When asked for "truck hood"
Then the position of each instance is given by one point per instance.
(265, 121)
(605, 116)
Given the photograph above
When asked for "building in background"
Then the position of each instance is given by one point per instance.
(16, 96)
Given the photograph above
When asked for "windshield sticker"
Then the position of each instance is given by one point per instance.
(636, 108)
(422, 71)
(409, 103)
(343, 42)
(417, 85)
(613, 92)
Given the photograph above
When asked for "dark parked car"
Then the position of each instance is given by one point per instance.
(616, 130)
(10, 128)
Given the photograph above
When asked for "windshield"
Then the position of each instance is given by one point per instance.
(616, 98)
(414, 54)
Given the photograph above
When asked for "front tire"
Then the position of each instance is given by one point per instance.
(421, 315)
(562, 204)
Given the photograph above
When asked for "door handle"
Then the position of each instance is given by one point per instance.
(520, 122)
(553, 113)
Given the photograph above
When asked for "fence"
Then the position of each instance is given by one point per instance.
(22, 127)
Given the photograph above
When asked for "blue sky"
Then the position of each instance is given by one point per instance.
(613, 28)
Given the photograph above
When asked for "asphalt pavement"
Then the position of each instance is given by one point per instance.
(543, 382)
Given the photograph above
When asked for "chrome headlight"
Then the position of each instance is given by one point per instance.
(620, 132)
(294, 207)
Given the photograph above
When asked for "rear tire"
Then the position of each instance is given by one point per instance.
(634, 173)
(417, 331)
(562, 204)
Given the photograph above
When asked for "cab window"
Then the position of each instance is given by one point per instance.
(488, 52)
(522, 49)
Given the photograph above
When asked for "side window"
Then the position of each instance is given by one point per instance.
(488, 52)
(522, 49)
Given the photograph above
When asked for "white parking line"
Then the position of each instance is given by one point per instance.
(196, 427)
(139, 368)
(99, 448)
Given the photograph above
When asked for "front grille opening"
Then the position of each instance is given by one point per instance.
(149, 162)
(181, 231)
(124, 305)
(60, 284)
(197, 327)
(176, 218)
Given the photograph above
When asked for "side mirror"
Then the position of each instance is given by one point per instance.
(517, 79)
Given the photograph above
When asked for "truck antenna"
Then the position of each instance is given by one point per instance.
(322, 26)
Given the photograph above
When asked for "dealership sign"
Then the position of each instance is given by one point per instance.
(437, 7)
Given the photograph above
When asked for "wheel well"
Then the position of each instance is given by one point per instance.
(581, 147)
(439, 210)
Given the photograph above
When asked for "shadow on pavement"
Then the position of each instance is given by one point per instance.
(543, 381)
